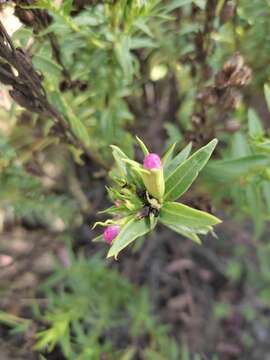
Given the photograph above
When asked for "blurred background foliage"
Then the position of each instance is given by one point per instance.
(169, 71)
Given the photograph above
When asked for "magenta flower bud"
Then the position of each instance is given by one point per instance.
(153, 179)
(152, 161)
(110, 233)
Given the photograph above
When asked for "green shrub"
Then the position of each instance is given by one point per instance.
(85, 78)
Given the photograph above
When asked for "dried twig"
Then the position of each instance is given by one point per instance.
(28, 91)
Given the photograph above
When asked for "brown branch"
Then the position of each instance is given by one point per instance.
(28, 91)
(39, 20)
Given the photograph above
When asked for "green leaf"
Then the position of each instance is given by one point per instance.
(142, 25)
(124, 56)
(130, 232)
(142, 42)
(176, 4)
(12, 320)
(174, 134)
(184, 231)
(255, 127)
(76, 153)
(227, 170)
(183, 176)
(39, 4)
(240, 146)
(47, 67)
(123, 171)
(170, 166)
(254, 200)
(262, 145)
(98, 238)
(174, 213)
(267, 95)
(266, 193)
(153, 221)
(142, 146)
(77, 126)
(119, 157)
(167, 157)
(67, 6)
(200, 3)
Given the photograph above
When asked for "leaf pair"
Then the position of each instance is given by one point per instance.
(182, 175)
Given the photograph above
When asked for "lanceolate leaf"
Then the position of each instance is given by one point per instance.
(183, 176)
(255, 127)
(142, 146)
(119, 156)
(77, 126)
(254, 200)
(123, 170)
(167, 157)
(47, 66)
(174, 213)
(266, 192)
(184, 231)
(130, 232)
(98, 239)
(227, 170)
(267, 95)
(176, 4)
(67, 6)
(171, 165)
(240, 146)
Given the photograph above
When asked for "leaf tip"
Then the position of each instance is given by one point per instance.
(112, 254)
(142, 145)
(218, 220)
(109, 254)
(214, 142)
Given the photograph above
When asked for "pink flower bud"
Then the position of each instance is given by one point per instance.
(110, 233)
(152, 161)
(117, 203)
